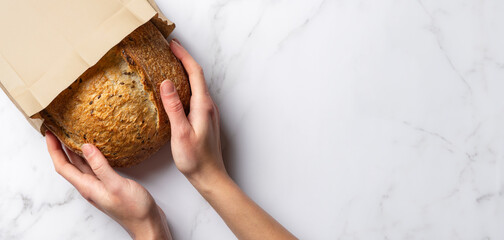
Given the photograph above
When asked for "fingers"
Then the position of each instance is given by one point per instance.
(78, 162)
(201, 101)
(87, 185)
(61, 164)
(196, 77)
(100, 166)
(174, 108)
(202, 107)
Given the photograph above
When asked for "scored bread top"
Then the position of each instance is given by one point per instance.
(116, 105)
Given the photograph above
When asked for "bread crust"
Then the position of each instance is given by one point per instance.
(116, 104)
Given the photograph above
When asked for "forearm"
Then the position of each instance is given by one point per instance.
(243, 216)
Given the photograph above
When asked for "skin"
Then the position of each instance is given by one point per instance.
(196, 149)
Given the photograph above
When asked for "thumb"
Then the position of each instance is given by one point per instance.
(173, 108)
(100, 166)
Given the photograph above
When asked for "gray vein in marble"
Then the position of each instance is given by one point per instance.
(218, 76)
(437, 33)
(254, 28)
(474, 132)
(36, 214)
(27, 206)
(385, 197)
(485, 197)
(302, 26)
(463, 175)
(88, 217)
(343, 233)
(467, 173)
(467, 168)
(197, 220)
(430, 133)
(346, 207)
(68, 198)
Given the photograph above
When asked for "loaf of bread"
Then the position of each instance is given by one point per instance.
(116, 105)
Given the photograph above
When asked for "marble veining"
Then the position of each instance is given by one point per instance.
(343, 119)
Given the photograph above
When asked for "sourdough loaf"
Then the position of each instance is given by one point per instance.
(116, 104)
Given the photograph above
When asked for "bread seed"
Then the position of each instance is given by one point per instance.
(90, 102)
(130, 61)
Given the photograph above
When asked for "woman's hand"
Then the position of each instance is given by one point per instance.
(196, 149)
(124, 200)
(195, 139)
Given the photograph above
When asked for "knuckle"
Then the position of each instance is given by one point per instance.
(57, 169)
(182, 133)
(208, 107)
(90, 157)
(197, 70)
(85, 194)
(97, 167)
(211, 111)
(200, 71)
(113, 202)
(175, 106)
(60, 169)
(116, 189)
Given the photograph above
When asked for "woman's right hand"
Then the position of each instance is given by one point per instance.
(195, 139)
(196, 149)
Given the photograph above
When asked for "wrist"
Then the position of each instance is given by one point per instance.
(154, 227)
(205, 181)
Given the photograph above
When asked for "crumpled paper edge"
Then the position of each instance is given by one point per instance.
(162, 23)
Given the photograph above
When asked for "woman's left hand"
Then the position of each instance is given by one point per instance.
(124, 200)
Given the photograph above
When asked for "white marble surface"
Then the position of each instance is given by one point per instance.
(345, 119)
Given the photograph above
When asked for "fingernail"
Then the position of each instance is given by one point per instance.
(176, 41)
(87, 150)
(167, 87)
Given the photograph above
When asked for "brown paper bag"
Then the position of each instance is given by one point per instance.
(46, 45)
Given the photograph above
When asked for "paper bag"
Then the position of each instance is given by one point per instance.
(46, 45)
